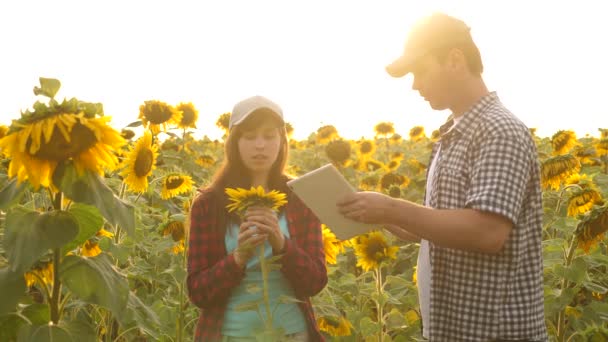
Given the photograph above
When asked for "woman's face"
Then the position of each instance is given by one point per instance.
(259, 148)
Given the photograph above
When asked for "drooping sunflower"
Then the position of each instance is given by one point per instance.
(416, 133)
(338, 151)
(592, 228)
(562, 141)
(175, 184)
(205, 160)
(326, 134)
(90, 249)
(395, 139)
(242, 199)
(392, 178)
(582, 200)
(156, 114)
(177, 230)
(42, 275)
(140, 163)
(335, 326)
(372, 250)
(189, 115)
(602, 147)
(223, 122)
(383, 129)
(366, 148)
(584, 155)
(557, 169)
(42, 139)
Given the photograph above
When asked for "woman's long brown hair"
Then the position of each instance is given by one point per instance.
(234, 174)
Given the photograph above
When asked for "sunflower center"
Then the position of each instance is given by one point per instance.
(58, 148)
(375, 249)
(158, 114)
(174, 183)
(187, 117)
(143, 162)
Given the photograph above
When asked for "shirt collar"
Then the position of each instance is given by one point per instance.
(469, 116)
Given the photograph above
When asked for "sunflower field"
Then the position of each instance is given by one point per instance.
(94, 226)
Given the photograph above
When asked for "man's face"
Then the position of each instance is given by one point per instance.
(435, 82)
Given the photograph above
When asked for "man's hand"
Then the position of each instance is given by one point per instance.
(365, 206)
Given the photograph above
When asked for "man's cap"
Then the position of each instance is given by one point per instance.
(430, 33)
(244, 108)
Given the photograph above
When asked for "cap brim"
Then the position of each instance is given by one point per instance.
(246, 115)
(400, 67)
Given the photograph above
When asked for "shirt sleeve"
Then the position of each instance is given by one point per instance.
(499, 176)
(211, 273)
(303, 261)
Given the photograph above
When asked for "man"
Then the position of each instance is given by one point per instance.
(480, 261)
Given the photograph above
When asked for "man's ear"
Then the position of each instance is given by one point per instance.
(456, 60)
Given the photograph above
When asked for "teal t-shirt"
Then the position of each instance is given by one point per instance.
(287, 316)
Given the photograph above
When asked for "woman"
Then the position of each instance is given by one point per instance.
(221, 269)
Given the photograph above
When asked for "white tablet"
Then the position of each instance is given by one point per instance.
(320, 190)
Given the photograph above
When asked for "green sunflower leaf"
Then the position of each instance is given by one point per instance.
(12, 287)
(29, 235)
(48, 87)
(91, 189)
(44, 333)
(12, 193)
(96, 281)
(89, 222)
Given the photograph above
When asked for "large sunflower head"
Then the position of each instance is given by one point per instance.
(175, 184)
(335, 326)
(176, 229)
(563, 141)
(326, 134)
(592, 228)
(56, 132)
(140, 163)
(156, 114)
(557, 169)
(372, 250)
(242, 199)
(366, 148)
(189, 115)
(338, 151)
(416, 133)
(383, 129)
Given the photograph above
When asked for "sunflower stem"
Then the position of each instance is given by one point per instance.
(561, 318)
(264, 266)
(379, 306)
(55, 300)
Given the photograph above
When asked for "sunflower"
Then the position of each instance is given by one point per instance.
(179, 247)
(372, 165)
(223, 122)
(392, 178)
(394, 191)
(140, 163)
(397, 156)
(417, 166)
(369, 182)
(372, 250)
(395, 139)
(393, 165)
(90, 249)
(582, 200)
(557, 169)
(563, 141)
(584, 155)
(41, 275)
(577, 178)
(155, 114)
(602, 146)
(366, 148)
(326, 134)
(416, 133)
(189, 115)
(338, 151)
(335, 326)
(37, 143)
(383, 129)
(242, 199)
(175, 184)
(104, 233)
(127, 134)
(329, 245)
(592, 227)
(435, 135)
(177, 230)
(3, 130)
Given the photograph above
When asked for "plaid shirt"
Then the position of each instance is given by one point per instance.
(488, 162)
(212, 274)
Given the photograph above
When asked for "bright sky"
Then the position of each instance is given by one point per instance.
(322, 61)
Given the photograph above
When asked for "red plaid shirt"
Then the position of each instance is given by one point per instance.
(212, 274)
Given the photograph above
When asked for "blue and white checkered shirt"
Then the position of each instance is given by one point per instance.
(488, 162)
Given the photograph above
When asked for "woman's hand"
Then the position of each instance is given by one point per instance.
(267, 222)
(248, 239)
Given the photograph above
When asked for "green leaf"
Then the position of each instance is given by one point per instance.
(135, 124)
(10, 325)
(576, 272)
(81, 330)
(48, 87)
(96, 281)
(368, 327)
(89, 188)
(146, 318)
(12, 193)
(38, 314)
(12, 288)
(594, 287)
(89, 222)
(29, 235)
(44, 333)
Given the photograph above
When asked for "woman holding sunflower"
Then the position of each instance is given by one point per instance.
(222, 264)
